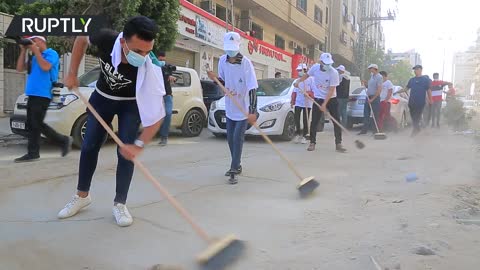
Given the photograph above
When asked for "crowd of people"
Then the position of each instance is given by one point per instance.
(130, 68)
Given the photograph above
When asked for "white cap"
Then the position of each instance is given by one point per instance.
(231, 41)
(326, 58)
(302, 66)
(375, 66)
(39, 37)
(341, 67)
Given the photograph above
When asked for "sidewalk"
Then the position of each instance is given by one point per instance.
(5, 126)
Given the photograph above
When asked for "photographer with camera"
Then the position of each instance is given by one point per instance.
(168, 79)
(43, 73)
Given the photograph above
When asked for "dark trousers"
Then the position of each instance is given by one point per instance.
(416, 114)
(368, 123)
(36, 110)
(434, 113)
(236, 137)
(332, 108)
(128, 124)
(298, 112)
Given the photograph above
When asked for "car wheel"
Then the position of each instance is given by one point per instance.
(349, 122)
(79, 130)
(193, 123)
(289, 127)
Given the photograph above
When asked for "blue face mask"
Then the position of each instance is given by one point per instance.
(161, 63)
(301, 73)
(134, 58)
(326, 67)
(231, 53)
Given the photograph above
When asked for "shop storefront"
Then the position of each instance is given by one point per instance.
(200, 44)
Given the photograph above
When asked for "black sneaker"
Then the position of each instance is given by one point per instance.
(233, 180)
(26, 158)
(163, 141)
(236, 172)
(67, 146)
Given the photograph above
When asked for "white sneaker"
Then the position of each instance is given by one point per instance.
(304, 141)
(297, 139)
(122, 216)
(74, 205)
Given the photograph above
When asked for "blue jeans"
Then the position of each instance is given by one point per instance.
(342, 110)
(236, 137)
(168, 100)
(367, 121)
(128, 124)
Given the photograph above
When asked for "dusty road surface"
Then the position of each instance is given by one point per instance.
(363, 208)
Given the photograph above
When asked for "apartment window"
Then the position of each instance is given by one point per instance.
(326, 15)
(279, 42)
(257, 31)
(318, 16)
(343, 38)
(352, 43)
(302, 5)
(221, 13)
(345, 12)
(353, 22)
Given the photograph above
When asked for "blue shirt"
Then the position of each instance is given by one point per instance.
(419, 87)
(374, 83)
(39, 82)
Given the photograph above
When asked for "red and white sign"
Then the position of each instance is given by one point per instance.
(255, 47)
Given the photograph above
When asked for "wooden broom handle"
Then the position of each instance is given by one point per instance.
(181, 210)
(265, 137)
(333, 119)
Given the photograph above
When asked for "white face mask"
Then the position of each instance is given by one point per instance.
(301, 73)
(326, 67)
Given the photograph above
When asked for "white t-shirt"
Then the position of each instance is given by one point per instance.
(239, 80)
(301, 100)
(387, 85)
(324, 80)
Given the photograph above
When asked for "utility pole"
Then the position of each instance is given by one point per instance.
(365, 18)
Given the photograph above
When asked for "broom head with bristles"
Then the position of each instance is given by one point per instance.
(221, 253)
(307, 186)
(380, 136)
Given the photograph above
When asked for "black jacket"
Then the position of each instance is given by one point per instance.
(168, 88)
(343, 89)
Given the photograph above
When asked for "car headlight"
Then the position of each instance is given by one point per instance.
(276, 106)
(213, 106)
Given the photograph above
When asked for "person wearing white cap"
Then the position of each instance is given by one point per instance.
(237, 73)
(343, 93)
(40, 80)
(302, 104)
(374, 89)
(326, 80)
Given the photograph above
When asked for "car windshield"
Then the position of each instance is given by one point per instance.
(358, 91)
(274, 87)
(88, 78)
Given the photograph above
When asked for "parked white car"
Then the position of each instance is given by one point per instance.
(399, 107)
(68, 116)
(275, 115)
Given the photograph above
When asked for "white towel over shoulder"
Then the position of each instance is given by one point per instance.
(150, 87)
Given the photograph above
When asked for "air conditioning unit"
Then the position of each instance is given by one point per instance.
(209, 6)
(293, 45)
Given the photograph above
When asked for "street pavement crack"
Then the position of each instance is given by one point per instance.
(52, 220)
(157, 225)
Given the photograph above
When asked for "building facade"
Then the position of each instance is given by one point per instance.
(464, 68)
(411, 57)
(275, 39)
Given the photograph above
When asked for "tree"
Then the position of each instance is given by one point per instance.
(117, 12)
(400, 73)
(9, 6)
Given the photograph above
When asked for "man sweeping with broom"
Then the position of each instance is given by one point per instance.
(236, 72)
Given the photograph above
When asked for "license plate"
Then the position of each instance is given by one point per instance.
(361, 101)
(18, 125)
(224, 120)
